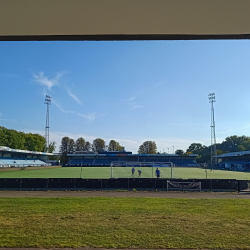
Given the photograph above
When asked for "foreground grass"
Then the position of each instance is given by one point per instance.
(124, 223)
(123, 172)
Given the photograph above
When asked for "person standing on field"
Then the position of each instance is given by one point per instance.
(133, 172)
(158, 173)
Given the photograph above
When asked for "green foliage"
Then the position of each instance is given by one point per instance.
(98, 145)
(230, 144)
(81, 145)
(179, 152)
(148, 147)
(19, 140)
(114, 146)
(122, 223)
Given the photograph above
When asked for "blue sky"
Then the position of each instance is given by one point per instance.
(130, 91)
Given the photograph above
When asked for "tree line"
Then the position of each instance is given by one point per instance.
(232, 143)
(69, 146)
(35, 142)
(25, 141)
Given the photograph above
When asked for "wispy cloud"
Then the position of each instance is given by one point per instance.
(133, 104)
(137, 106)
(46, 81)
(90, 117)
(75, 98)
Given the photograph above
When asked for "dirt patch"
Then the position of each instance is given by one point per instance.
(136, 194)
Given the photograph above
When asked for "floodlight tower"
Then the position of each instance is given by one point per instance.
(47, 102)
(211, 98)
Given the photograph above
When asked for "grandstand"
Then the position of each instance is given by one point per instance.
(238, 161)
(105, 159)
(22, 158)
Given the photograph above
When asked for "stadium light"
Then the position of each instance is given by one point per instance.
(47, 102)
(213, 160)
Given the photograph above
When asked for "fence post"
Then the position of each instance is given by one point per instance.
(238, 186)
(211, 186)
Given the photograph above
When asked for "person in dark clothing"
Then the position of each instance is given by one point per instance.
(158, 173)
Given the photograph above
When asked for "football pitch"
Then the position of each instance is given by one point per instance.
(123, 172)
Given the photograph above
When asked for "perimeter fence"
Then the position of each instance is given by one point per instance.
(124, 183)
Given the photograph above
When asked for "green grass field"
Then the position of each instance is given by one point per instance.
(122, 172)
(150, 223)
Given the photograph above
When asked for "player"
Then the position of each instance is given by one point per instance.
(158, 173)
(139, 173)
(133, 172)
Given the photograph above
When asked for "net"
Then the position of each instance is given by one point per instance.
(129, 169)
(183, 186)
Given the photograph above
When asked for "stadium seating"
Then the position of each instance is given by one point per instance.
(22, 162)
(234, 165)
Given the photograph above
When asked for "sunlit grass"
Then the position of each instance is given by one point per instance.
(123, 172)
(124, 223)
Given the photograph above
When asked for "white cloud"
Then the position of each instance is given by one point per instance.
(74, 97)
(45, 81)
(90, 117)
(132, 104)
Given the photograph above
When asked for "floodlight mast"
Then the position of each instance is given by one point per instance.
(211, 98)
(47, 102)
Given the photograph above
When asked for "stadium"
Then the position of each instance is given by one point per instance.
(93, 201)
(112, 170)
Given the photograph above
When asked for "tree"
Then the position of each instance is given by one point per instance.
(196, 148)
(64, 145)
(52, 147)
(34, 142)
(114, 146)
(88, 146)
(148, 147)
(80, 144)
(64, 149)
(179, 152)
(234, 143)
(98, 145)
(71, 147)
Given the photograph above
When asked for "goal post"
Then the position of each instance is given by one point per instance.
(123, 169)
